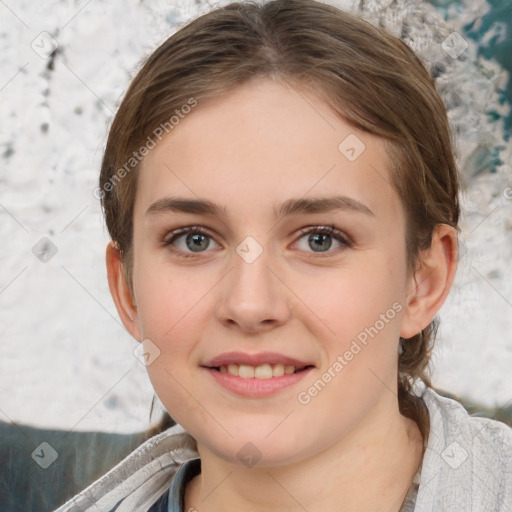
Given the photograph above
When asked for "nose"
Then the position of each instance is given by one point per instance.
(254, 298)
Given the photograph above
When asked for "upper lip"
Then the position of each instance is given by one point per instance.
(254, 359)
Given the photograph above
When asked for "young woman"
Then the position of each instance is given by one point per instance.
(280, 189)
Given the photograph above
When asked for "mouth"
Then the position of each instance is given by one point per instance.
(263, 371)
(257, 375)
(260, 381)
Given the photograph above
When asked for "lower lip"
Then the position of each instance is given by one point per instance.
(256, 388)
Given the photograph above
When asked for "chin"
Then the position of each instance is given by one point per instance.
(256, 448)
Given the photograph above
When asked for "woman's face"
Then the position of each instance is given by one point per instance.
(257, 172)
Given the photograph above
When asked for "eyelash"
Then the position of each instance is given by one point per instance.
(309, 230)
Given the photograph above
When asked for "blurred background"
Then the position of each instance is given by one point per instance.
(66, 362)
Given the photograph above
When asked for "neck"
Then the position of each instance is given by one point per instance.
(370, 470)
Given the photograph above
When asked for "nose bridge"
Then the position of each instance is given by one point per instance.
(253, 297)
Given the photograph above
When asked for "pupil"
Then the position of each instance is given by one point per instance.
(199, 242)
(321, 239)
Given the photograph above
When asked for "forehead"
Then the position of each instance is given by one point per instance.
(267, 140)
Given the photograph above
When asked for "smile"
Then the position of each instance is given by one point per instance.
(256, 382)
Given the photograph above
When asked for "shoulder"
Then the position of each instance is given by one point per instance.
(453, 420)
(468, 460)
(144, 474)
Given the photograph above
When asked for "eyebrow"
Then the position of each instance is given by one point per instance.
(321, 205)
(288, 208)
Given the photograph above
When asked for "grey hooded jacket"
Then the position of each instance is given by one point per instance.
(467, 466)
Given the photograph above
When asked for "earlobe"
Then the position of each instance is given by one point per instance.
(431, 283)
(120, 292)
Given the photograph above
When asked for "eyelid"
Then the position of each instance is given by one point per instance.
(168, 241)
(331, 230)
(174, 233)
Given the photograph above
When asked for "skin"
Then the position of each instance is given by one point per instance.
(252, 149)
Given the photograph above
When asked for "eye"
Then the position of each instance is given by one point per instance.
(189, 240)
(321, 239)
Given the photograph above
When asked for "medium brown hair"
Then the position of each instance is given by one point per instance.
(370, 78)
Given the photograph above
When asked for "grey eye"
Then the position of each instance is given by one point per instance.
(320, 241)
(197, 242)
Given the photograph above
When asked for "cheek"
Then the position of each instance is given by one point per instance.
(166, 297)
(172, 313)
(173, 308)
(351, 299)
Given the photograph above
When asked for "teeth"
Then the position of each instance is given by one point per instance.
(264, 371)
(233, 369)
(289, 369)
(246, 372)
(278, 370)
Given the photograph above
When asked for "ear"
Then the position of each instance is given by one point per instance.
(120, 291)
(433, 278)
